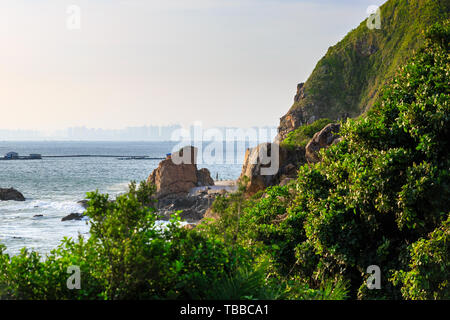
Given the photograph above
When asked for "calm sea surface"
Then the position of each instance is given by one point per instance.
(53, 186)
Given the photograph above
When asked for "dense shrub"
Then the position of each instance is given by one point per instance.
(127, 256)
(379, 197)
(388, 183)
(302, 135)
(375, 197)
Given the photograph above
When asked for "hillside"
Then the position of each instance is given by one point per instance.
(347, 80)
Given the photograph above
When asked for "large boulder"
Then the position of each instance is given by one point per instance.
(322, 139)
(178, 174)
(204, 178)
(251, 169)
(268, 164)
(11, 194)
(193, 206)
(287, 160)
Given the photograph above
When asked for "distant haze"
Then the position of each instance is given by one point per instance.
(176, 133)
(136, 63)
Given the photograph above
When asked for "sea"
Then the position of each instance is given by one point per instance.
(52, 186)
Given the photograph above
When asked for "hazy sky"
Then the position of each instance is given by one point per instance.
(140, 62)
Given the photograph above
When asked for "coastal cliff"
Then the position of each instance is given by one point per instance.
(347, 80)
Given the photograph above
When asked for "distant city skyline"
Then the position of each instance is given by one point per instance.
(173, 132)
(125, 63)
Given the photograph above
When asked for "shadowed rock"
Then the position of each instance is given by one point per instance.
(322, 139)
(11, 194)
(286, 164)
(73, 216)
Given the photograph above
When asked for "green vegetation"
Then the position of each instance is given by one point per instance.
(429, 272)
(348, 79)
(302, 135)
(127, 256)
(379, 197)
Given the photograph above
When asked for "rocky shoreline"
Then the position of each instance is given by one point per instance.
(181, 186)
(195, 204)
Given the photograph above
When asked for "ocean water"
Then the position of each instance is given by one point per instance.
(53, 186)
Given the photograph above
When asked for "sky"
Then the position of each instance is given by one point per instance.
(118, 63)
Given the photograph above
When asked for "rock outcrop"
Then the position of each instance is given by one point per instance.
(204, 178)
(177, 180)
(262, 173)
(322, 139)
(73, 216)
(11, 194)
(288, 160)
(178, 174)
(193, 206)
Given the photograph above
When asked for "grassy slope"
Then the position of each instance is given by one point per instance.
(347, 79)
(302, 135)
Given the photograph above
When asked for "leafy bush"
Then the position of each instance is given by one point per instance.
(387, 184)
(261, 224)
(301, 136)
(127, 256)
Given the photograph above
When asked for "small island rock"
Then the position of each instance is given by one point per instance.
(11, 194)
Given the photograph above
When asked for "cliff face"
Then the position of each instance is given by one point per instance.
(346, 81)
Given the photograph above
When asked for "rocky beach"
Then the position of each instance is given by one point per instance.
(181, 186)
(55, 188)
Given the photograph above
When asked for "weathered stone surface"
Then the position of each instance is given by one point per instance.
(300, 92)
(289, 122)
(193, 207)
(252, 170)
(289, 160)
(313, 108)
(178, 174)
(170, 178)
(204, 178)
(217, 191)
(322, 139)
(287, 163)
(11, 194)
